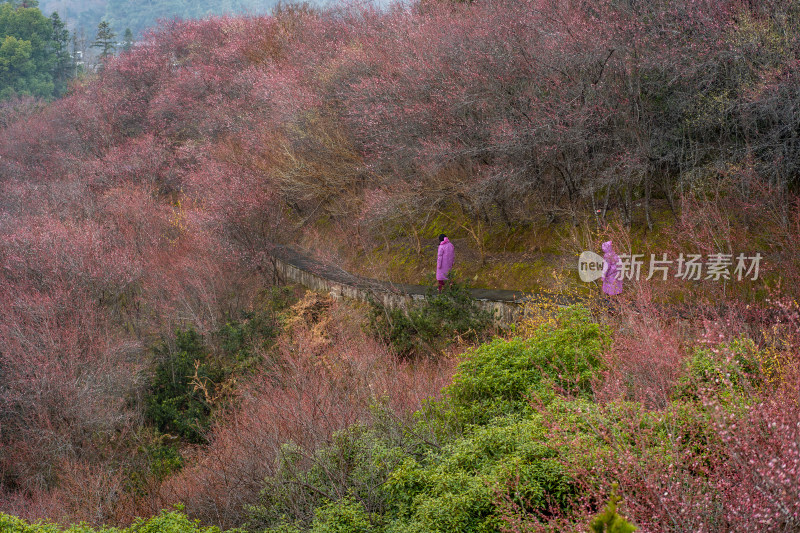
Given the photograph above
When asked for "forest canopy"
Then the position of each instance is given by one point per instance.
(33, 52)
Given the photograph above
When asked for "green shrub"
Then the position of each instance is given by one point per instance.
(166, 522)
(456, 488)
(283, 528)
(241, 339)
(726, 370)
(12, 524)
(155, 459)
(500, 377)
(357, 462)
(609, 521)
(237, 338)
(342, 516)
(189, 379)
(397, 479)
(175, 404)
(433, 323)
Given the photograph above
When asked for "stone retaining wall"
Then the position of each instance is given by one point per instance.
(392, 296)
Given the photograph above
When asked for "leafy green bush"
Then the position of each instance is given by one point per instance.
(356, 464)
(395, 478)
(166, 522)
(500, 377)
(155, 459)
(239, 339)
(456, 488)
(345, 515)
(609, 521)
(190, 378)
(726, 370)
(176, 403)
(379, 485)
(429, 326)
(342, 516)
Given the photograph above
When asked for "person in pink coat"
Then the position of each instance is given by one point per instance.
(445, 260)
(611, 285)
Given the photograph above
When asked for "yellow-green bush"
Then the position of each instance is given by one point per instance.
(166, 522)
(456, 488)
(501, 376)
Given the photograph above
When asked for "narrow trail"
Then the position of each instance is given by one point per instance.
(291, 265)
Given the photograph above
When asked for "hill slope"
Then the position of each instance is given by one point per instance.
(137, 216)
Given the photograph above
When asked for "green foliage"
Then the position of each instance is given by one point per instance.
(127, 40)
(365, 480)
(342, 516)
(154, 460)
(63, 67)
(104, 39)
(176, 403)
(731, 369)
(357, 463)
(433, 323)
(191, 376)
(455, 488)
(502, 376)
(609, 521)
(166, 522)
(28, 52)
(391, 475)
(283, 528)
(240, 340)
(12, 524)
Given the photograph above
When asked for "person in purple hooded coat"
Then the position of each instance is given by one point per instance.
(611, 285)
(444, 262)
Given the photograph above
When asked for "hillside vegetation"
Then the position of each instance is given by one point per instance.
(142, 16)
(34, 60)
(149, 358)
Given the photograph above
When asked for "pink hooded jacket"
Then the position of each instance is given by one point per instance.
(611, 285)
(445, 260)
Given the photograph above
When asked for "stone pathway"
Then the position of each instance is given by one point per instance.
(314, 274)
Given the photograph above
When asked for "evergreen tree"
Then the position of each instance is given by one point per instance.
(64, 65)
(127, 40)
(104, 40)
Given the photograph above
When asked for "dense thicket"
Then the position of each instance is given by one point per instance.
(147, 201)
(510, 111)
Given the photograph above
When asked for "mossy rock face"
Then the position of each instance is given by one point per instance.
(531, 276)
